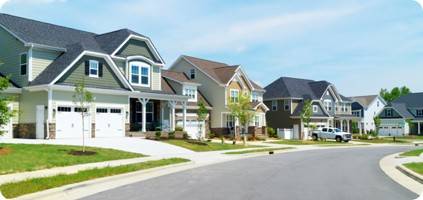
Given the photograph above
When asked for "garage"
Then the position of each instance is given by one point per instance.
(193, 128)
(69, 122)
(391, 131)
(109, 122)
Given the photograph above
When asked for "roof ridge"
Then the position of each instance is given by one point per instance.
(205, 60)
(48, 23)
(122, 29)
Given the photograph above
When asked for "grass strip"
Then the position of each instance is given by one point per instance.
(307, 142)
(211, 146)
(384, 141)
(416, 167)
(12, 190)
(258, 150)
(416, 152)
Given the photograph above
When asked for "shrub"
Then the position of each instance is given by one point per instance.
(171, 135)
(158, 134)
(186, 136)
(211, 135)
(222, 139)
(197, 142)
(271, 132)
(178, 128)
(364, 137)
(373, 133)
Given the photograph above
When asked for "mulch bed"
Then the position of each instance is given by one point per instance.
(82, 153)
(4, 151)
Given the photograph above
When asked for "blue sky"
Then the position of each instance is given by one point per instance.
(359, 45)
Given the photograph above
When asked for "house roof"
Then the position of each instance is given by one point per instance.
(256, 86)
(288, 87)
(364, 101)
(299, 109)
(177, 76)
(12, 84)
(403, 104)
(71, 41)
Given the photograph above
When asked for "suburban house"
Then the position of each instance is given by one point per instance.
(403, 116)
(122, 69)
(366, 108)
(221, 83)
(286, 97)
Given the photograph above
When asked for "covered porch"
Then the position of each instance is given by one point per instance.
(346, 123)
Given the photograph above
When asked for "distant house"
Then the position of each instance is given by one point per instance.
(286, 96)
(367, 108)
(396, 115)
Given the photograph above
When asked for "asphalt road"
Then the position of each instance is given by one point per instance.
(335, 174)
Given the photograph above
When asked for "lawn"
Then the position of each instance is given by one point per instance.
(307, 142)
(29, 157)
(12, 190)
(258, 150)
(416, 152)
(416, 167)
(384, 140)
(211, 146)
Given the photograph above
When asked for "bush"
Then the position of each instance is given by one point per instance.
(185, 136)
(372, 133)
(158, 134)
(197, 142)
(211, 135)
(271, 132)
(222, 139)
(178, 128)
(171, 135)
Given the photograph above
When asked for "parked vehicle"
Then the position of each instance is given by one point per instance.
(331, 133)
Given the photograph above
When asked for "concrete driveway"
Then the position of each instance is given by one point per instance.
(137, 145)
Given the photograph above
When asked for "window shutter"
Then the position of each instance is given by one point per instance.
(87, 67)
(100, 69)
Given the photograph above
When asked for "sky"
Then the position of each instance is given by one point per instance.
(360, 46)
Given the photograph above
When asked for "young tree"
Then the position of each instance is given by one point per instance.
(242, 111)
(201, 115)
(82, 99)
(410, 125)
(377, 122)
(394, 94)
(5, 113)
(306, 113)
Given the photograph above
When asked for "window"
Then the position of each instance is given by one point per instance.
(377, 103)
(230, 121)
(115, 110)
(234, 95)
(356, 113)
(192, 73)
(286, 104)
(101, 110)
(24, 63)
(93, 68)
(328, 105)
(419, 113)
(254, 97)
(64, 109)
(191, 92)
(388, 112)
(344, 107)
(315, 108)
(274, 105)
(81, 109)
(149, 114)
(257, 121)
(140, 73)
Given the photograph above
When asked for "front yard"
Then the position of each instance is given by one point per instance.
(207, 146)
(385, 140)
(416, 152)
(416, 167)
(308, 142)
(29, 157)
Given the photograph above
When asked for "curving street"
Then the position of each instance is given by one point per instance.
(333, 174)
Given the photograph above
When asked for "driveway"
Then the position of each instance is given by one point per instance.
(334, 174)
(131, 144)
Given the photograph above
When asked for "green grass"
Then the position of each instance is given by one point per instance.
(384, 141)
(416, 152)
(258, 150)
(12, 190)
(30, 157)
(412, 137)
(416, 167)
(307, 142)
(211, 146)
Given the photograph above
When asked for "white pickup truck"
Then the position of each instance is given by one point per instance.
(331, 133)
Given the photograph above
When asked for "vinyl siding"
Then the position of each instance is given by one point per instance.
(279, 118)
(121, 64)
(41, 59)
(10, 52)
(28, 103)
(77, 73)
(136, 48)
(156, 74)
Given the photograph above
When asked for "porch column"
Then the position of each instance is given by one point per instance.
(144, 115)
(172, 117)
(418, 128)
(49, 110)
(184, 112)
(348, 126)
(342, 124)
(359, 127)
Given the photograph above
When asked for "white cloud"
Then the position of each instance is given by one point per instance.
(4, 2)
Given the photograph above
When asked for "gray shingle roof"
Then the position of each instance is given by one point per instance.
(405, 103)
(12, 84)
(365, 101)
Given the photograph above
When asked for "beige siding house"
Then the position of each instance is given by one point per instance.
(219, 83)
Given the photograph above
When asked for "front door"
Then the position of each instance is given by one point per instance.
(40, 122)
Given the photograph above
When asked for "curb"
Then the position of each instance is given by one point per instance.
(410, 173)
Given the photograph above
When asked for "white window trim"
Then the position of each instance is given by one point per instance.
(315, 108)
(192, 72)
(230, 95)
(421, 112)
(140, 66)
(20, 63)
(286, 102)
(274, 105)
(194, 89)
(90, 63)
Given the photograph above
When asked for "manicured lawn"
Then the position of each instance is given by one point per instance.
(258, 150)
(30, 157)
(416, 167)
(416, 152)
(12, 190)
(413, 137)
(211, 146)
(384, 141)
(308, 142)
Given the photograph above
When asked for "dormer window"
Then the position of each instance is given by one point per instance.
(315, 109)
(419, 113)
(254, 97)
(140, 73)
(328, 105)
(190, 92)
(192, 73)
(388, 112)
(93, 70)
(23, 63)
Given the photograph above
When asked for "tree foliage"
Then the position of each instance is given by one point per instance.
(82, 99)
(241, 109)
(394, 94)
(377, 122)
(201, 116)
(307, 112)
(5, 113)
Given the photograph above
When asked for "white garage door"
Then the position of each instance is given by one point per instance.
(7, 129)
(192, 128)
(391, 131)
(109, 122)
(69, 123)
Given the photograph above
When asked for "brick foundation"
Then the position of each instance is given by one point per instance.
(127, 129)
(26, 130)
(93, 130)
(52, 130)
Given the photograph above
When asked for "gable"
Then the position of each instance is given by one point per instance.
(77, 73)
(395, 114)
(136, 48)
